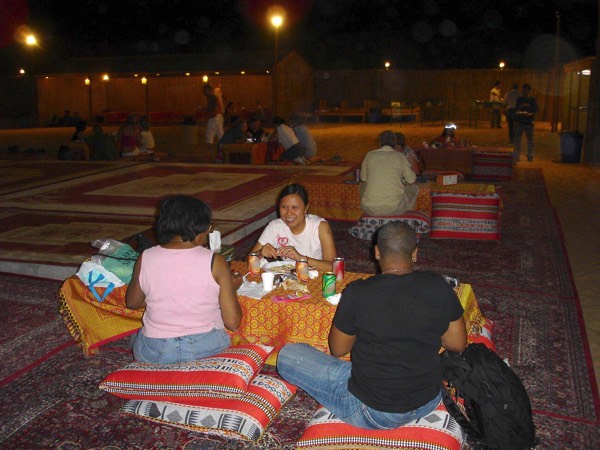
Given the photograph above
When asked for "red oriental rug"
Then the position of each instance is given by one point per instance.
(50, 211)
(50, 389)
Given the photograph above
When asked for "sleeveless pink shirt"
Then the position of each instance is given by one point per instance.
(182, 296)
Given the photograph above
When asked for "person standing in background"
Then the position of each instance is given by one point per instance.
(496, 101)
(214, 124)
(298, 124)
(525, 113)
(510, 108)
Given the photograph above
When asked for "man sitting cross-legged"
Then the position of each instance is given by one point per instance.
(393, 324)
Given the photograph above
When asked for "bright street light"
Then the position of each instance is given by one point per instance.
(276, 21)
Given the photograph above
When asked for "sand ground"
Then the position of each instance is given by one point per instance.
(574, 189)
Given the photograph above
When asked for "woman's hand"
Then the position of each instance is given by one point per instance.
(289, 252)
(268, 251)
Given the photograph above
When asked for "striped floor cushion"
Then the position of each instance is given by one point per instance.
(465, 216)
(245, 417)
(367, 226)
(492, 166)
(436, 431)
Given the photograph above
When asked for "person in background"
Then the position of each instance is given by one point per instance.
(413, 158)
(387, 181)
(296, 234)
(102, 146)
(496, 101)
(188, 290)
(510, 109)
(255, 132)
(293, 148)
(128, 137)
(524, 115)
(298, 124)
(214, 124)
(236, 134)
(393, 325)
(147, 144)
(80, 127)
(260, 112)
(447, 138)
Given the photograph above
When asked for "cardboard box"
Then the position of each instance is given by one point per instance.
(446, 179)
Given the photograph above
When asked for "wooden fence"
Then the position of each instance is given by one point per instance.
(455, 89)
(300, 89)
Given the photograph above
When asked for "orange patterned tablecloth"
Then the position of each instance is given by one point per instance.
(93, 324)
(277, 323)
(257, 151)
(331, 198)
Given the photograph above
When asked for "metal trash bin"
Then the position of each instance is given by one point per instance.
(570, 146)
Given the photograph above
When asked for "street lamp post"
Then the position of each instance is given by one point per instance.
(554, 121)
(31, 42)
(276, 21)
(145, 83)
(88, 83)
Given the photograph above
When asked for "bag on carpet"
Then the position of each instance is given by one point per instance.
(115, 256)
(95, 275)
(497, 409)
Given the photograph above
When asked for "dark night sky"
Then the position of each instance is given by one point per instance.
(328, 33)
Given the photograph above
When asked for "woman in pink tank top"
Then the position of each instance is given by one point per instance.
(188, 290)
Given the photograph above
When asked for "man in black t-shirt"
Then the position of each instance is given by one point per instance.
(393, 324)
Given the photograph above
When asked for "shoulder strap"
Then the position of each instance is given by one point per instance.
(460, 418)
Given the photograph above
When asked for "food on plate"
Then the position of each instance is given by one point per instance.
(280, 268)
(294, 285)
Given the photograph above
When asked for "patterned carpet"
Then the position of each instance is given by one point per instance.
(523, 282)
(51, 210)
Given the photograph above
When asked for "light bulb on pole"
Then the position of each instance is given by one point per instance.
(145, 83)
(31, 42)
(88, 83)
(276, 21)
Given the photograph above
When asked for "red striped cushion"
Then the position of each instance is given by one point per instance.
(465, 216)
(436, 431)
(246, 416)
(492, 166)
(227, 373)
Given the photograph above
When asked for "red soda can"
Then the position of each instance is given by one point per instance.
(302, 269)
(339, 268)
(254, 263)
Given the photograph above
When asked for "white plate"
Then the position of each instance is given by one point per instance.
(285, 266)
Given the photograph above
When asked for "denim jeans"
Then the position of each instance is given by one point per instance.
(179, 349)
(521, 128)
(325, 378)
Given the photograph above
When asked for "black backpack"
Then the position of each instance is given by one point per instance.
(497, 410)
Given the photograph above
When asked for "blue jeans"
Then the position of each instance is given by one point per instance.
(179, 349)
(325, 378)
(521, 128)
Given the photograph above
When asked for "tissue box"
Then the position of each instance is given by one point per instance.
(446, 179)
(227, 251)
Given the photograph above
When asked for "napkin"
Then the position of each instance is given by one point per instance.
(251, 289)
(334, 299)
(214, 240)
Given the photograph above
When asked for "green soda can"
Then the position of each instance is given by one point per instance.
(328, 284)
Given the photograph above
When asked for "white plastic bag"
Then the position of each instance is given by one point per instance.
(95, 275)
